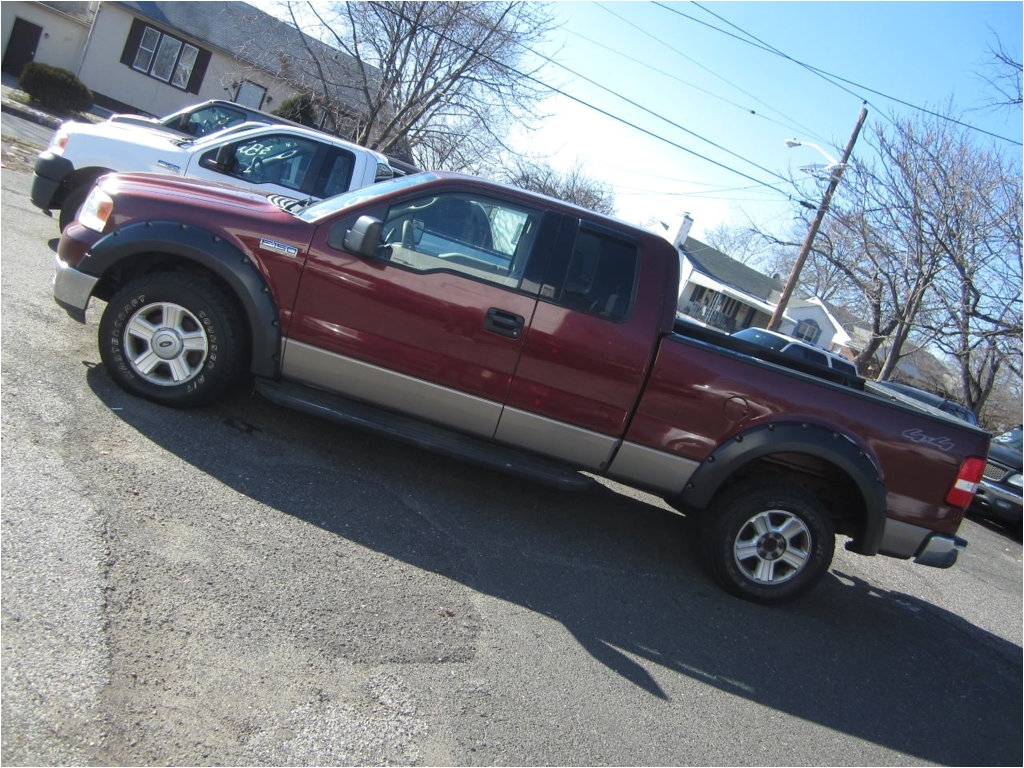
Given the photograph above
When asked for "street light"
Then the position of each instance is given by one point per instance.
(838, 166)
(833, 168)
(797, 143)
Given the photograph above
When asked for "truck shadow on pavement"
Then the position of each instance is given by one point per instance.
(617, 572)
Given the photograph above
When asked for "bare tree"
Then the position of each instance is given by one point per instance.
(825, 274)
(1004, 78)
(929, 235)
(923, 242)
(879, 221)
(744, 244)
(435, 83)
(573, 187)
(978, 324)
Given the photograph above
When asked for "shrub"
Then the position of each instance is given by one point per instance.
(55, 88)
(298, 108)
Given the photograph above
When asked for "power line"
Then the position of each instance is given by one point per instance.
(828, 77)
(652, 113)
(792, 122)
(653, 135)
(390, 7)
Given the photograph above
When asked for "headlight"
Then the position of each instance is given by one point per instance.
(1015, 480)
(59, 141)
(96, 210)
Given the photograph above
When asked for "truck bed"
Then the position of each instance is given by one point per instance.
(724, 340)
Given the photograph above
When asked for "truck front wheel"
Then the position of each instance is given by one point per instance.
(171, 338)
(767, 543)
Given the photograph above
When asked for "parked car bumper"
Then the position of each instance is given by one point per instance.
(48, 173)
(998, 503)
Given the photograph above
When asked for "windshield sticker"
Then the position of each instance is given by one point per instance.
(276, 247)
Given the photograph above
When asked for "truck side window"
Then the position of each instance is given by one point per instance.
(481, 237)
(337, 173)
(269, 159)
(601, 276)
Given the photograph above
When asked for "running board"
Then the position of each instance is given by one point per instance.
(424, 435)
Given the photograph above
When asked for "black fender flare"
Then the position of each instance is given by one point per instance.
(212, 252)
(795, 437)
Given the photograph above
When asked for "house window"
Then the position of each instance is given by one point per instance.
(164, 57)
(147, 47)
(186, 63)
(808, 330)
(728, 306)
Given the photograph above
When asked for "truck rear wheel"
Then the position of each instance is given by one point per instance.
(173, 339)
(767, 543)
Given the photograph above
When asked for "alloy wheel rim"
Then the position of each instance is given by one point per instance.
(772, 547)
(166, 344)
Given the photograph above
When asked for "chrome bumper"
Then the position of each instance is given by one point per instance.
(72, 289)
(904, 540)
(940, 551)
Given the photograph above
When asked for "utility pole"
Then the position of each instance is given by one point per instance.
(805, 249)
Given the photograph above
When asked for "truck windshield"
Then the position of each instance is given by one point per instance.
(758, 336)
(216, 136)
(1011, 439)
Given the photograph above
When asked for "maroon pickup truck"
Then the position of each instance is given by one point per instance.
(520, 332)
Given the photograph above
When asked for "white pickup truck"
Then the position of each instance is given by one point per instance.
(205, 117)
(277, 159)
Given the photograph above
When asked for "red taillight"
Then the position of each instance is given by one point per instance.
(966, 483)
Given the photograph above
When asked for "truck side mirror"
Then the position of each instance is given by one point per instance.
(222, 160)
(364, 237)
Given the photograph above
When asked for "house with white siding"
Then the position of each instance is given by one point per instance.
(154, 58)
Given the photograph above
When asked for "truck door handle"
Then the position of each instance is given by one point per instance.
(504, 323)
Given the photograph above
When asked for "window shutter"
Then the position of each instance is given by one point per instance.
(131, 45)
(198, 71)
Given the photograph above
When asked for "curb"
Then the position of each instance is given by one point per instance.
(12, 107)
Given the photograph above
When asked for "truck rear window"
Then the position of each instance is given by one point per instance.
(601, 276)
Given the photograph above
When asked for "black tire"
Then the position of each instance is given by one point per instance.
(767, 543)
(172, 338)
(72, 202)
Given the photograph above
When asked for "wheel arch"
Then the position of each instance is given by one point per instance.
(153, 246)
(828, 463)
(74, 180)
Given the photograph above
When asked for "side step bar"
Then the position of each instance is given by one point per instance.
(424, 435)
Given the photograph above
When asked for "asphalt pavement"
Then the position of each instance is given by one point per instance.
(245, 585)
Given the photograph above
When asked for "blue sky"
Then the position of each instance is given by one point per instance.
(672, 61)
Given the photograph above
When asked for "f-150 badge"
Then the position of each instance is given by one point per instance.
(276, 247)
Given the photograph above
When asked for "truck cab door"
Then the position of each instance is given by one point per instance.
(590, 347)
(433, 326)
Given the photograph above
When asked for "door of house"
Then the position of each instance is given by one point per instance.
(21, 47)
(250, 95)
